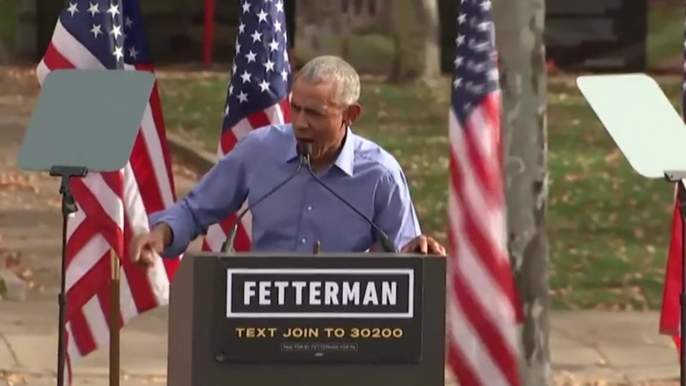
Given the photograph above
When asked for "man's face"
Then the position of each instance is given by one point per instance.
(316, 118)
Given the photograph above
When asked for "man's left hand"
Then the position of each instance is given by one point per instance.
(424, 245)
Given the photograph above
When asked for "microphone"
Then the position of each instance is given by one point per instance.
(227, 246)
(306, 149)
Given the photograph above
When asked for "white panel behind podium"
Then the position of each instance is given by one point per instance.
(362, 319)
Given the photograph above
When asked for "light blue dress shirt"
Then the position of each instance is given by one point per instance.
(302, 212)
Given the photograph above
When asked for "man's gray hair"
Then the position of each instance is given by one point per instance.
(332, 69)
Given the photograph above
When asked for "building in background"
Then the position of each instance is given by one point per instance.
(597, 36)
(175, 28)
(359, 30)
(605, 34)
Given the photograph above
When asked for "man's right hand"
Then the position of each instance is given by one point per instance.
(144, 245)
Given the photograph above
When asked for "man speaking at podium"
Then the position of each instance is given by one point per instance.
(302, 211)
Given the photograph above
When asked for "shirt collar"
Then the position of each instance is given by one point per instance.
(346, 158)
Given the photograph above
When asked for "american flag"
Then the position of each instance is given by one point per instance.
(108, 35)
(257, 96)
(482, 307)
(670, 315)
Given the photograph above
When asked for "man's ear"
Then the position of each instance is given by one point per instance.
(352, 113)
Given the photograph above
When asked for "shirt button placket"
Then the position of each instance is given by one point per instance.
(304, 240)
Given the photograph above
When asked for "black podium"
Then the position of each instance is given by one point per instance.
(306, 320)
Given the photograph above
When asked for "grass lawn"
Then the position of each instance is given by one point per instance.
(665, 32)
(608, 227)
(9, 9)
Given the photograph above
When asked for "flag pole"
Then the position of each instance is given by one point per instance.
(679, 177)
(208, 33)
(114, 319)
(681, 198)
(682, 324)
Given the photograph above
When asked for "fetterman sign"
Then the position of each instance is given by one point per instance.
(321, 314)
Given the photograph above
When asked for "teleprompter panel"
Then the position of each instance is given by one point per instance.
(318, 310)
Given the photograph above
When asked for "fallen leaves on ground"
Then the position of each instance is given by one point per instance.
(13, 181)
(605, 383)
(156, 379)
(19, 82)
(191, 72)
(183, 170)
(13, 379)
(12, 262)
(645, 383)
(566, 378)
(560, 379)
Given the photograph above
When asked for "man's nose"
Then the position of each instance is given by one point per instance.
(298, 118)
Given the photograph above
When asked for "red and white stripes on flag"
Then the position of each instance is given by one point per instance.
(257, 96)
(482, 306)
(217, 233)
(111, 207)
(670, 313)
(481, 313)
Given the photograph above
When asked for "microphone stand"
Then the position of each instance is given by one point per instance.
(305, 149)
(227, 246)
(678, 177)
(68, 208)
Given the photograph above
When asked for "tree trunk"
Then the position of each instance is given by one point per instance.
(519, 35)
(344, 33)
(416, 37)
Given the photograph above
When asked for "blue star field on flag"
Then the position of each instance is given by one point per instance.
(475, 74)
(110, 29)
(261, 73)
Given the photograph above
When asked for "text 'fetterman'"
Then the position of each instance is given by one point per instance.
(316, 293)
(293, 291)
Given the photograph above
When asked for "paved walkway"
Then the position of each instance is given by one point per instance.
(586, 347)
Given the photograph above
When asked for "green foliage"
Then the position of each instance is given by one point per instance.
(9, 9)
(368, 53)
(608, 227)
(665, 33)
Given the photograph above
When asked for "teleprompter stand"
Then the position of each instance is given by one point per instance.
(679, 177)
(85, 121)
(650, 134)
(68, 207)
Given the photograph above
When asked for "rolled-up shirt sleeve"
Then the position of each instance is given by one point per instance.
(219, 193)
(394, 211)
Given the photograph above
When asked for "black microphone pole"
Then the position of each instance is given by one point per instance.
(306, 149)
(227, 246)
